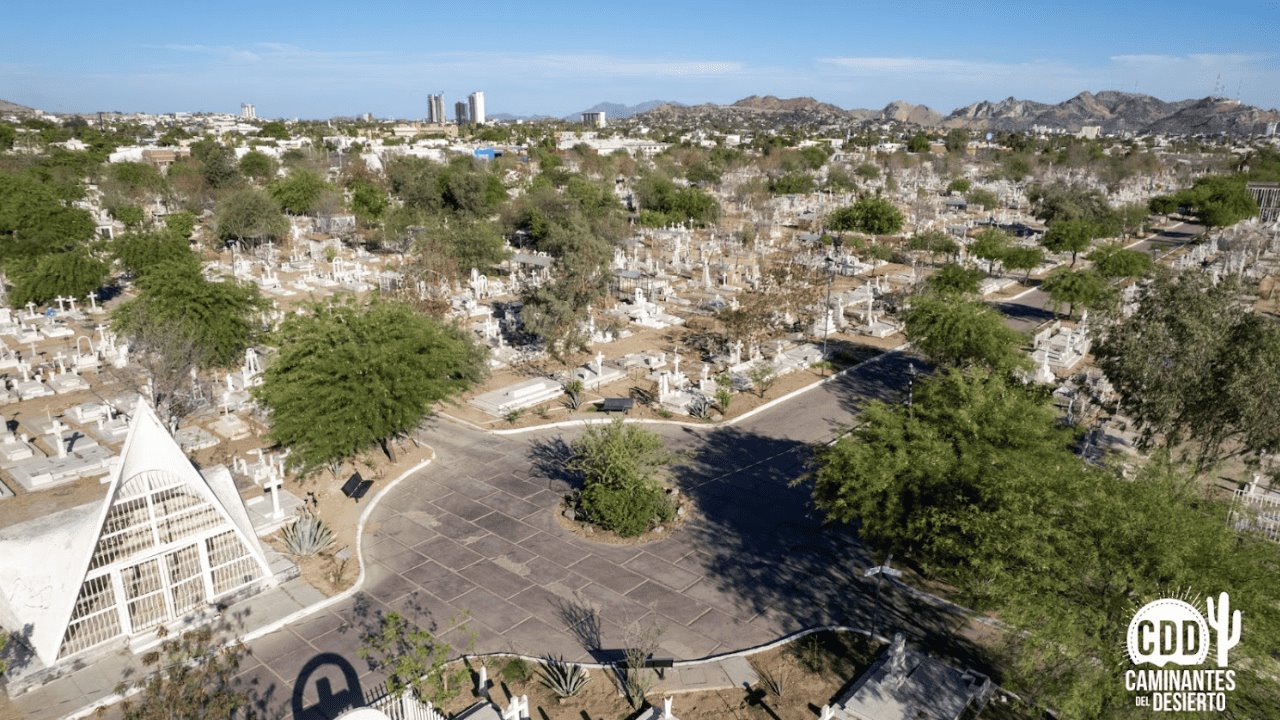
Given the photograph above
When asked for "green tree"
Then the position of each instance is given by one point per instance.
(959, 185)
(1163, 205)
(976, 485)
(180, 224)
(35, 220)
(991, 245)
(982, 197)
(957, 140)
(349, 376)
(368, 201)
(1060, 201)
(867, 171)
(1071, 236)
(620, 467)
(918, 143)
(1219, 200)
(217, 163)
(415, 660)
(138, 252)
(662, 202)
(137, 179)
(258, 165)
(958, 333)
(1077, 288)
(1113, 261)
(274, 130)
(1023, 258)
(250, 215)
(131, 215)
(7, 136)
(791, 184)
(75, 273)
(1192, 366)
(219, 319)
(299, 193)
(1131, 218)
(955, 279)
(873, 215)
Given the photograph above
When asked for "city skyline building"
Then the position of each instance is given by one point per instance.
(475, 107)
(435, 109)
(460, 112)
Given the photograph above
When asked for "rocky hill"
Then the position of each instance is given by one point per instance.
(8, 108)
(905, 112)
(1113, 111)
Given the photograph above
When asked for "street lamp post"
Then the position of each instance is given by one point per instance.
(826, 319)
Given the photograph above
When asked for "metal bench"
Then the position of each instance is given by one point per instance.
(356, 486)
(617, 404)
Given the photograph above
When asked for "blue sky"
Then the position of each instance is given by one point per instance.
(323, 58)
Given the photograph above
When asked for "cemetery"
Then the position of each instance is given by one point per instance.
(149, 485)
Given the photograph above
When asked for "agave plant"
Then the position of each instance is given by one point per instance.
(562, 678)
(308, 535)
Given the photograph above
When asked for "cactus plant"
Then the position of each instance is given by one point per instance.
(308, 535)
(562, 678)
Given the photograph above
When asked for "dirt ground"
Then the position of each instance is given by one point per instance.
(323, 494)
(796, 680)
(810, 671)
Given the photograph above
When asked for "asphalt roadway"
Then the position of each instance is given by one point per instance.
(475, 532)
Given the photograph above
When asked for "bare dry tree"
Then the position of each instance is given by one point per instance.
(163, 366)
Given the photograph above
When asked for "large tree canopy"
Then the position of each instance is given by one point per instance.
(870, 214)
(955, 332)
(1192, 365)
(976, 485)
(349, 376)
(250, 215)
(35, 220)
(218, 319)
(73, 273)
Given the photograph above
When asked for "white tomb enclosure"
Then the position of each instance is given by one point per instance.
(596, 374)
(521, 395)
(993, 285)
(163, 545)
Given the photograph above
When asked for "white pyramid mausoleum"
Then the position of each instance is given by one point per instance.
(163, 546)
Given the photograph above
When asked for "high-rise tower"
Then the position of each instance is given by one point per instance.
(475, 107)
(435, 109)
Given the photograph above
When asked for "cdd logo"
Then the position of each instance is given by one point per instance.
(1173, 631)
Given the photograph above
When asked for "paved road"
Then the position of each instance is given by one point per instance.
(476, 532)
(1033, 308)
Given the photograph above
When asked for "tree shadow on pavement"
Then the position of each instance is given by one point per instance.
(883, 378)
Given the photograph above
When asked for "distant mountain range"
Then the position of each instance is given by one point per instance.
(618, 111)
(1111, 110)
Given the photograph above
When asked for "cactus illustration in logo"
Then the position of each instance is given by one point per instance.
(1225, 624)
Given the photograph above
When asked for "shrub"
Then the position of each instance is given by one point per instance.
(562, 678)
(308, 535)
(516, 670)
(620, 490)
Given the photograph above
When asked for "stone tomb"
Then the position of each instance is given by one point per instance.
(519, 396)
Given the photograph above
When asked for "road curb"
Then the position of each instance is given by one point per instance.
(681, 423)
